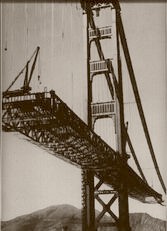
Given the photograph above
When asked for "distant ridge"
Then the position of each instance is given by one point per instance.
(55, 218)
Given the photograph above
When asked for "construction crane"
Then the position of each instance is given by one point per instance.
(25, 88)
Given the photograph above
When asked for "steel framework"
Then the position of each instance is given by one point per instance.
(51, 124)
(46, 119)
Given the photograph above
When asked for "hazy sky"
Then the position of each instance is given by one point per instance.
(32, 179)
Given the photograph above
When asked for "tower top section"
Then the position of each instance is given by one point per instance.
(100, 4)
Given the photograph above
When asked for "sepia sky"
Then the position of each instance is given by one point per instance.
(32, 179)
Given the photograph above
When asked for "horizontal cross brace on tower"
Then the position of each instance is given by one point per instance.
(102, 32)
(99, 66)
(103, 109)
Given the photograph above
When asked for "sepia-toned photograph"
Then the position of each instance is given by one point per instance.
(83, 115)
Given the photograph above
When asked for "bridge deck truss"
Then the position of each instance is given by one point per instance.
(51, 124)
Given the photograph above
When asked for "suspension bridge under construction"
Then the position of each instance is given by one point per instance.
(50, 123)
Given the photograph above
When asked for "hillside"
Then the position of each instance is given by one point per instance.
(55, 218)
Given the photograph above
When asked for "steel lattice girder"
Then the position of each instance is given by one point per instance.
(48, 121)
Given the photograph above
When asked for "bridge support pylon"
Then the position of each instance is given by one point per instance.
(88, 203)
(111, 70)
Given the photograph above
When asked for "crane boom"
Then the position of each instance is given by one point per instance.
(25, 89)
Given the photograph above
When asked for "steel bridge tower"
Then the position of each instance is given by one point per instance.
(110, 69)
(47, 120)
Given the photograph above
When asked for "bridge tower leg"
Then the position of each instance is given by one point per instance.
(88, 207)
(88, 201)
(123, 194)
(111, 69)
